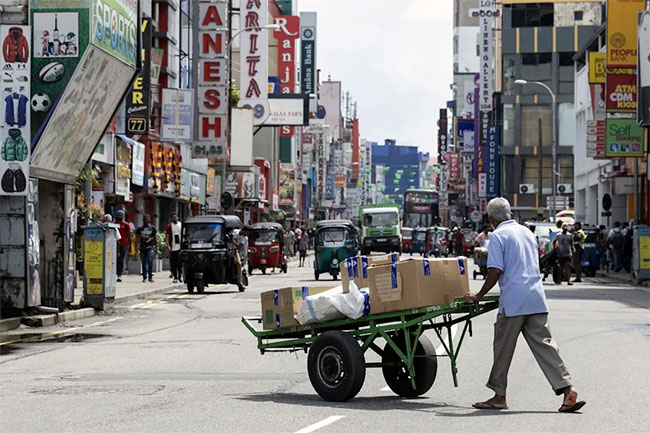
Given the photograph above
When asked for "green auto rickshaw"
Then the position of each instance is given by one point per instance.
(334, 241)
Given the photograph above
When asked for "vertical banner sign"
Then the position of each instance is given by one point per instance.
(442, 132)
(137, 100)
(643, 71)
(486, 24)
(492, 169)
(254, 59)
(286, 35)
(622, 32)
(210, 75)
(15, 133)
(308, 52)
(454, 165)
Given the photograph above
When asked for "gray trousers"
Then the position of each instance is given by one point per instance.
(538, 336)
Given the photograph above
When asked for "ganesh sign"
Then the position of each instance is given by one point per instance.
(286, 35)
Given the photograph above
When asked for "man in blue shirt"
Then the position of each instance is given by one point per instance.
(513, 261)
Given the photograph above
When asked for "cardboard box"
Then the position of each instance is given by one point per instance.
(356, 268)
(280, 305)
(417, 283)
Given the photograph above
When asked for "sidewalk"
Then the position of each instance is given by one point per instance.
(132, 287)
(621, 277)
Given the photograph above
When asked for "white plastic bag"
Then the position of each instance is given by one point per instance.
(334, 304)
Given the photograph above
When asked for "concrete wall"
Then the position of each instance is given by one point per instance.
(330, 98)
(465, 49)
(13, 284)
(563, 14)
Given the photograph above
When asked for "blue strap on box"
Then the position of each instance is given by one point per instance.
(366, 302)
(355, 267)
(461, 264)
(311, 310)
(305, 292)
(348, 265)
(393, 275)
(277, 320)
(427, 267)
(393, 257)
(276, 297)
(364, 266)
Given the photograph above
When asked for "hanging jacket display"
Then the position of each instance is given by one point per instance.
(15, 47)
(13, 180)
(16, 109)
(14, 147)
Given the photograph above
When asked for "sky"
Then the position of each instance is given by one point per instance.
(394, 57)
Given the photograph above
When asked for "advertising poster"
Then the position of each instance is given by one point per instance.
(232, 183)
(33, 246)
(122, 171)
(177, 115)
(137, 164)
(287, 184)
(246, 185)
(138, 99)
(115, 28)
(80, 117)
(15, 124)
(624, 138)
(621, 93)
(60, 35)
(622, 32)
(94, 261)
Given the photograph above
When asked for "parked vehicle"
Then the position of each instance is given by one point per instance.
(407, 239)
(468, 246)
(208, 254)
(419, 242)
(335, 241)
(266, 248)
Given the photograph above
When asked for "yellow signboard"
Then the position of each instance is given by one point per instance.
(597, 68)
(644, 249)
(94, 263)
(622, 32)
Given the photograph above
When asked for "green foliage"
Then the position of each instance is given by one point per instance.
(161, 245)
(235, 95)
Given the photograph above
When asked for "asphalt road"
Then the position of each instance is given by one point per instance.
(185, 363)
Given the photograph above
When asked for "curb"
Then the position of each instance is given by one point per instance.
(144, 295)
(9, 324)
(76, 314)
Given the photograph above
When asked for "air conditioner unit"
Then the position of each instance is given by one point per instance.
(564, 188)
(526, 188)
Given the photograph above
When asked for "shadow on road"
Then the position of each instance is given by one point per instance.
(631, 297)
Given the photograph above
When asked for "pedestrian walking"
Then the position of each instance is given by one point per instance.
(288, 242)
(146, 239)
(563, 248)
(459, 242)
(603, 247)
(628, 247)
(240, 240)
(483, 236)
(513, 262)
(125, 235)
(578, 240)
(303, 245)
(616, 240)
(173, 238)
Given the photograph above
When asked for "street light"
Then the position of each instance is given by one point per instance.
(232, 38)
(554, 145)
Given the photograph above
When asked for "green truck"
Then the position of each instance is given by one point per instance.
(380, 228)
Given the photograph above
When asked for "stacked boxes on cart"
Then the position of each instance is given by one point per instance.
(393, 285)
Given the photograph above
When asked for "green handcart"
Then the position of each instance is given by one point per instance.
(336, 362)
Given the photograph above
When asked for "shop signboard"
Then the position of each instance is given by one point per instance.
(492, 163)
(622, 32)
(122, 171)
(597, 68)
(210, 74)
(115, 28)
(286, 35)
(287, 184)
(624, 138)
(621, 93)
(94, 261)
(81, 116)
(453, 159)
(254, 75)
(486, 54)
(60, 36)
(482, 185)
(466, 135)
(232, 183)
(246, 185)
(177, 115)
(288, 110)
(643, 102)
(308, 52)
(15, 133)
(340, 181)
(138, 98)
(137, 164)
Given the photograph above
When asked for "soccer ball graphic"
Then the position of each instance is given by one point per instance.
(41, 102)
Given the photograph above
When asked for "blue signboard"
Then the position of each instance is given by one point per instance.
(465, 138)
(492, 162)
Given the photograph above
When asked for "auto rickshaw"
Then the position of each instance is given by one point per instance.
(208, 253)
(266, 248)
(335, 241)
(436, 242)
(419, 240)
(407, 239)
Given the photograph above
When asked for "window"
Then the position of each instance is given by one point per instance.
(566, 63)
(566, 124)
(536, 67)
(508, 175)
(532, 15)
(530, 172)
(509, 74)
(530, 126)
(565, 168)
(509, 125)
(577, 15)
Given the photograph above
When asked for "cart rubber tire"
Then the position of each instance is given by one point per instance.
(200, 286)
(397, 377)
(557, 275)
(336, 366)
(316, 275)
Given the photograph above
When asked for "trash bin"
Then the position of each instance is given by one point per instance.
(100, 260)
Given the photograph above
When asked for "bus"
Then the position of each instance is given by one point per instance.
(420, 208)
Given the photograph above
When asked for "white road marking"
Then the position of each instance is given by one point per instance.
(321, 424)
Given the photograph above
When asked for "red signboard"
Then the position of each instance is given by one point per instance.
(286, 35)
(621, 93)
(454, 165)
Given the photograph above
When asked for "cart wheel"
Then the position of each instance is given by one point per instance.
(336, 366)
(200, 286)
(557, 275)
(316, 275)
(396, 374)
(190, 286)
